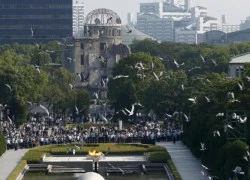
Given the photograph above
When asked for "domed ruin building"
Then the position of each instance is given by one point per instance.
(92, 53)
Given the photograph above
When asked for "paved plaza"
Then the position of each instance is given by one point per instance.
(9, 161)
(188, 166)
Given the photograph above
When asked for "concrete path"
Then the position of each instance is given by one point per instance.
(188, 166)
(9, 161)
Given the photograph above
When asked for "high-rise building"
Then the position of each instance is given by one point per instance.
(78, 15)
(175, 20)
(223, 19)
(158, 19)
(130, 19)
(158, 28)
(29, 21)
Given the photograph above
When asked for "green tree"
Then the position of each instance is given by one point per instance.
(139, 69)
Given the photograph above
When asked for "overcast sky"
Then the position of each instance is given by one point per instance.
(235, 10)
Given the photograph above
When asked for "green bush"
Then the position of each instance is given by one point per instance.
(173, 169)
(164, 157)
(2, 144)
(159, 157)
(33, 155)
(18, 169)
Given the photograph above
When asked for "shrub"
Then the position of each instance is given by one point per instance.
(2, 144)
(159, 157)
(18, 169)
(173, 169)
(164, 157)
(33, 156)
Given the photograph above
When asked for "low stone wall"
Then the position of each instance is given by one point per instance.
(88, 167)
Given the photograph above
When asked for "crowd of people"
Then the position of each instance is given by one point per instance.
(45, 131)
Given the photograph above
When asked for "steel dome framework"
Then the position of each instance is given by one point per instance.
(103, 17)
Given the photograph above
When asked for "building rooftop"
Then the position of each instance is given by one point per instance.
(242, 58)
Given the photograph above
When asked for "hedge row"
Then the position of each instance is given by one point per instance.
(2, 144)
(33, 155)
(164, 157)
(18, 169)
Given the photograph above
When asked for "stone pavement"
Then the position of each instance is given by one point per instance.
(188, 166)
(9, 161)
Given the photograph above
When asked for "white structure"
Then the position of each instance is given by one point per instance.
(202, 21)
(165, 10)
(90, 176)
(228, 28)
(236, 65)
(130, 19)
(198, 11)
(78, 15)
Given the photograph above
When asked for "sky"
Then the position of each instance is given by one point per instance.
(235, 10)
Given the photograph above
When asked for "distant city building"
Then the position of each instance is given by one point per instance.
(219, 37)
(198, 11)
(156, 27)
(164, 10)
(245, 24)
(237, 36)
(78, 15)
(214, 37)
(223, 19)
(236, 65)
(187, 36)
(30, 21)
(175, 20)
(158, 19)
(187, 5)
(194, 32)
(130, 19)
(228, 28)
(92, 53)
